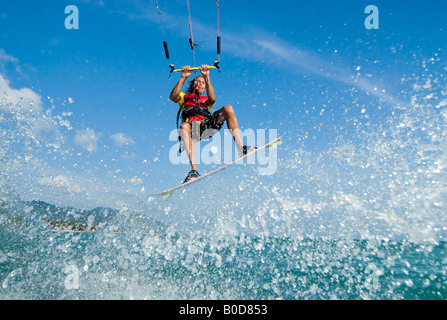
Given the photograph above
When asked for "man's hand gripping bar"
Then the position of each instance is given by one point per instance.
(214, 66)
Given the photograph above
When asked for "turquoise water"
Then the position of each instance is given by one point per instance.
(123, 261)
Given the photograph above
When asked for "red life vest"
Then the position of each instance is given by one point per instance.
(191, 101)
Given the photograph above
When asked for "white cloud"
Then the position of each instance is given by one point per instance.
(8, 60)
(263, 46)
(60, 181)
(4, 57)
(26, 98)
(120, 139)
(87, 139)
(24, 109)
(9, 97)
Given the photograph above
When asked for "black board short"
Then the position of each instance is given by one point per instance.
(205, 128)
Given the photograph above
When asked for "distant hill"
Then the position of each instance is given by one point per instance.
(74, 219)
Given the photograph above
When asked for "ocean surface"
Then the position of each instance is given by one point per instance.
(276, 250)
(142, 259)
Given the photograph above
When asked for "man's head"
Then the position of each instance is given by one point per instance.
(197, 84)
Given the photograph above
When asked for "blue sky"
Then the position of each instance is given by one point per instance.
(305, 68)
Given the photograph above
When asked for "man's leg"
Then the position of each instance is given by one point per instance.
(226, 113)
(188, 142)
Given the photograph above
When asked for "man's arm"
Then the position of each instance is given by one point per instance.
(204, 69)
(175, 93)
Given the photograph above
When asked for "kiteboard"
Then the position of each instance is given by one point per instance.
(271, 145)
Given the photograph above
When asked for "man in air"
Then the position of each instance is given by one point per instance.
(197, 121)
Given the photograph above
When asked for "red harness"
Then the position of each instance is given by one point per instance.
(192, 100)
